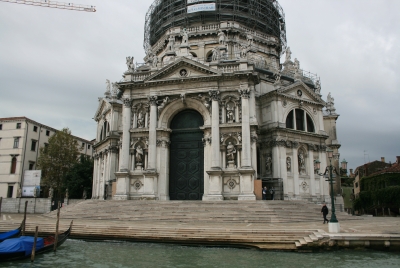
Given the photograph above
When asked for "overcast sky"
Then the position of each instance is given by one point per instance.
(54, 63)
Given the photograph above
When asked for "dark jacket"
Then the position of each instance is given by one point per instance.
(325, 210)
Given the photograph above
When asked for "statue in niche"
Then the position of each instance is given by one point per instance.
(288, 54)
(230, 116)
(243, 52)
(139, 156)
(140, 120)
(288, 164)
(215, 54)
(222, 37)
(268, 164)
(130, 64)
(302, 166)
(185, 37)
(230, 154)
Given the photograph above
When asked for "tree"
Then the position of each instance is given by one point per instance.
(80, 178)
(57, 158)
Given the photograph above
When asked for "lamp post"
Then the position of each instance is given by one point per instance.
(333, 222)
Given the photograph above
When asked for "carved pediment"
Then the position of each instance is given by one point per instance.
(103, 108)
(183, 68)
(301, 91)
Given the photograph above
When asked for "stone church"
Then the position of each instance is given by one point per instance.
(213, 114)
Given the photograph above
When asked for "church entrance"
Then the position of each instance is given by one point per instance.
(186, 177)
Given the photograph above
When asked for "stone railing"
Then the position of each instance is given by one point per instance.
(229, 68)
(139, 76)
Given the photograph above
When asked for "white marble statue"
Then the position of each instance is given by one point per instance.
(155, 61)
(108, 86)
(296, 65)
(288, 163)
(268, 165)
(139, 155)
(230, 152)
(171, 43)
(302, 165)
(185, 37)
(215, 54)
(330, 99)
(288, 55)
(318, 87)
(222, 37)
(230, 116)
(243, 51)
(140, 120)
(249, 38)
(115, 89)
(130, 64)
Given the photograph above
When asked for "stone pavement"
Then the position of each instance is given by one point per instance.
(275, 225)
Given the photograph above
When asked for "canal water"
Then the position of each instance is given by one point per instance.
(78, 253)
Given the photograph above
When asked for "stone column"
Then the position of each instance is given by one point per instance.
(134, 122)
(246, 171)
(152, 133)
(215, 173)
(295, 170)
(124, 164)
(252, 105)
(163, 182)
(311, 170)
(246, 145)
(95, 172)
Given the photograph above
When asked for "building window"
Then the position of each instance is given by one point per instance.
(83, 145)
(1, 126)
(31, 165)
(88, 146)
(13, 165)
(35, 128)
(10, 191)
(16, 142)
(47, 132)
(33, 145)
(18, 125)
(298, 119)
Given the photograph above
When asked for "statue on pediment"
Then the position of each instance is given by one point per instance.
(288, 55)
(130, 64)
(171, 43)
(222, 37)
(185, 37)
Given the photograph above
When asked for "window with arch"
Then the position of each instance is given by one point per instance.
(299, 119)
(13, 165)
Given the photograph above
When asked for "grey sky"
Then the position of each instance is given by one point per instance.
(53, 63)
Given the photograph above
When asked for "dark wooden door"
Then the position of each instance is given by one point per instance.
(186, 178)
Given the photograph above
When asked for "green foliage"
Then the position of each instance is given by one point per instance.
(380, 181)
(57, 158)
(80, 178)
(387, 197)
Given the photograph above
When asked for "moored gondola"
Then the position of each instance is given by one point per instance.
(11, 234)
(21, 247)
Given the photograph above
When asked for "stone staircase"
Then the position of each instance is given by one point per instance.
(259, 224)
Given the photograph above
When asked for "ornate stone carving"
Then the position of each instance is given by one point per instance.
(154, 61)
(230, 112)
(244, 92)
(163, 143)
(139, 157)
(127, 102)
(171, 43)
(161, 106)
(225, 136)
(108, 88)
(153, 100)
(231, 183)
(214, 95)
(115, 90)
(254, 138)
(222, 37)
(215, 54)
(137, 185)
(243, 51)
(304, 186)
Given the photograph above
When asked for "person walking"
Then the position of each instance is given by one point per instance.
(272, 192)
(264, 193)
(325, 212)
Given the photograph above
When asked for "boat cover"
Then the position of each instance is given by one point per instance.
(20, 244)
(8, 234)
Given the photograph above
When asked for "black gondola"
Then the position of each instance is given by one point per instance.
(21, 247)
(11, 234)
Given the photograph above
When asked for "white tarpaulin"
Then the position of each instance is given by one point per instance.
(30, 191)
(32, 178)
(201, 7)
(196, 1)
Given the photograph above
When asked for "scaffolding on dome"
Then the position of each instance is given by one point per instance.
(266, 16)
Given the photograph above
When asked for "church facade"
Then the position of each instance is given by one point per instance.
(211, 112)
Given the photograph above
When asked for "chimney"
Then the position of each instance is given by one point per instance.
(383, 159)
(351, 171)
(398, 159)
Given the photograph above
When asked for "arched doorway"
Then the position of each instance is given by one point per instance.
(186, 177)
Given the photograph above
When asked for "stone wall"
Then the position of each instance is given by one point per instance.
(17, 205)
